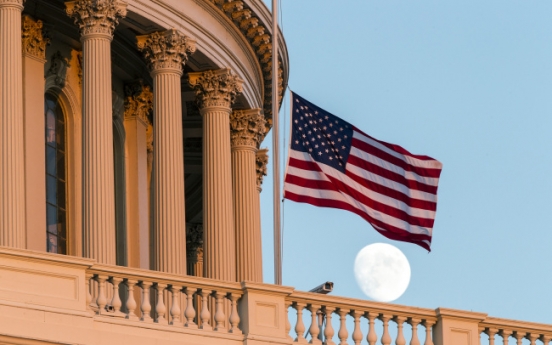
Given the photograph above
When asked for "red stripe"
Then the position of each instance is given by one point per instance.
(305, 165)
(426, 172)
(391, 233)
(390, 175)
(396, 148)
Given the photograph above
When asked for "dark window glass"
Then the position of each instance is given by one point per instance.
(56, 227)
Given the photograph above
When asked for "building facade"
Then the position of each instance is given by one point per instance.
(130, 177)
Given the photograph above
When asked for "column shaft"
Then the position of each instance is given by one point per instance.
(168, 175)
(218, 220)
(98, 178)
(12, 169)
(247, 220)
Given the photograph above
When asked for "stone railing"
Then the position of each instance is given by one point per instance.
(68, 300)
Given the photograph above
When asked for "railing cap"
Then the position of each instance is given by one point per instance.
(460, 314)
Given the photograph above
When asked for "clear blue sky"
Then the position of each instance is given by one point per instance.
(466, 82)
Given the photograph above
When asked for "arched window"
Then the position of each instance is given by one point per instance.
(56, 224)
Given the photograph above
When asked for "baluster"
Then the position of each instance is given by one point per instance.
(342, 334)
(88, 295)
(131, 302)
(357, 333)
(205, 314)
(505, 334)
(189, 312)
(372, 337)
(385, 337)
(116, 299)
(328, 330)
(399, 320)
(220, 318)
(314, 330)
(428, 326)
(288, 324)
(545, 339)
(160, 308)
(145, 307)
(175, 305)
(234, 315)
(101, 301)
(414, 324)
(491, 333)
(519, 337)
(532, 338)
(300, 326)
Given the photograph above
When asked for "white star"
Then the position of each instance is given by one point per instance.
(331, 158)
(327, 150)
(304, 136)
(316, 112)
(345, 136)
(320, 153)
(343, 147)
(315, 146)
(331, 124)
(310, 150)
(297, 141)
(324, 128)
(296, 110)
(339, 139)
(323, 144)
(326, 117)
(310, 132)
(335, 132)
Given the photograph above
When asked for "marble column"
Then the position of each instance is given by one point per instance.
(247, 130)
(12, 164)
(216, 91)
(97, 20)
(261, 160)
(138, 111)
(34, 50)
(166, 53)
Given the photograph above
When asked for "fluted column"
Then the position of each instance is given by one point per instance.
(12, 168)
(166, 53)
(261, 161)
(247, 131)
(216, 91)
(97, 20)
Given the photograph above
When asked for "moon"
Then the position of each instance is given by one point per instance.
(382, 272)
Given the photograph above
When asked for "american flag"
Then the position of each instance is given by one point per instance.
(334, 164)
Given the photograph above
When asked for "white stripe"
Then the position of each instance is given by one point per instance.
(384, 230)
(409, 175)
(333, 195)
(399, 187)
(430, 164)
(383, 199)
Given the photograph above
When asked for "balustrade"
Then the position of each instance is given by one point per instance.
(501, 331)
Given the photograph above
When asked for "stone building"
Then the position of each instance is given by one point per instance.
(130, 174)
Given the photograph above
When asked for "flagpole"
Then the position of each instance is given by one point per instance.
(275, 149)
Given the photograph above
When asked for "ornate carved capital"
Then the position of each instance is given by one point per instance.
(33, 39)
(168, 49)
(262, 161)
(247, 127)
(217, 88)
(96, 16)
(194, 241)
(139, 102)
(12, 3)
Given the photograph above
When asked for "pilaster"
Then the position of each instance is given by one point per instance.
(12, 164)
(247, 129)
(457, 327)
(215, 92)
(138, 111)
(97, 20)
(34, 48)
(166, 53)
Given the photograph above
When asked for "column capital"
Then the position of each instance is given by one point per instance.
(166, 50)
(215, 88)
(262, 161)
(12, 3)
(139, 102)
(96, 17)
(247, 127)
(33, 39)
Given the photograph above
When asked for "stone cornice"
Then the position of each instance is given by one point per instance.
(166, 50)
(138, 102)
(96, 16)
(248, 22)
(217, 88)
(247, 127)
(33, 39)
(262, 160)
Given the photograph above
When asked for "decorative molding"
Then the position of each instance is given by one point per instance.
(149, 138)
(58, 68)
(247, 127)
(168, 49)
(261, 159)
(79, 66)
(194, 241)
(215, 88)
(33, 37)
(96, 16)
(139, 102)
